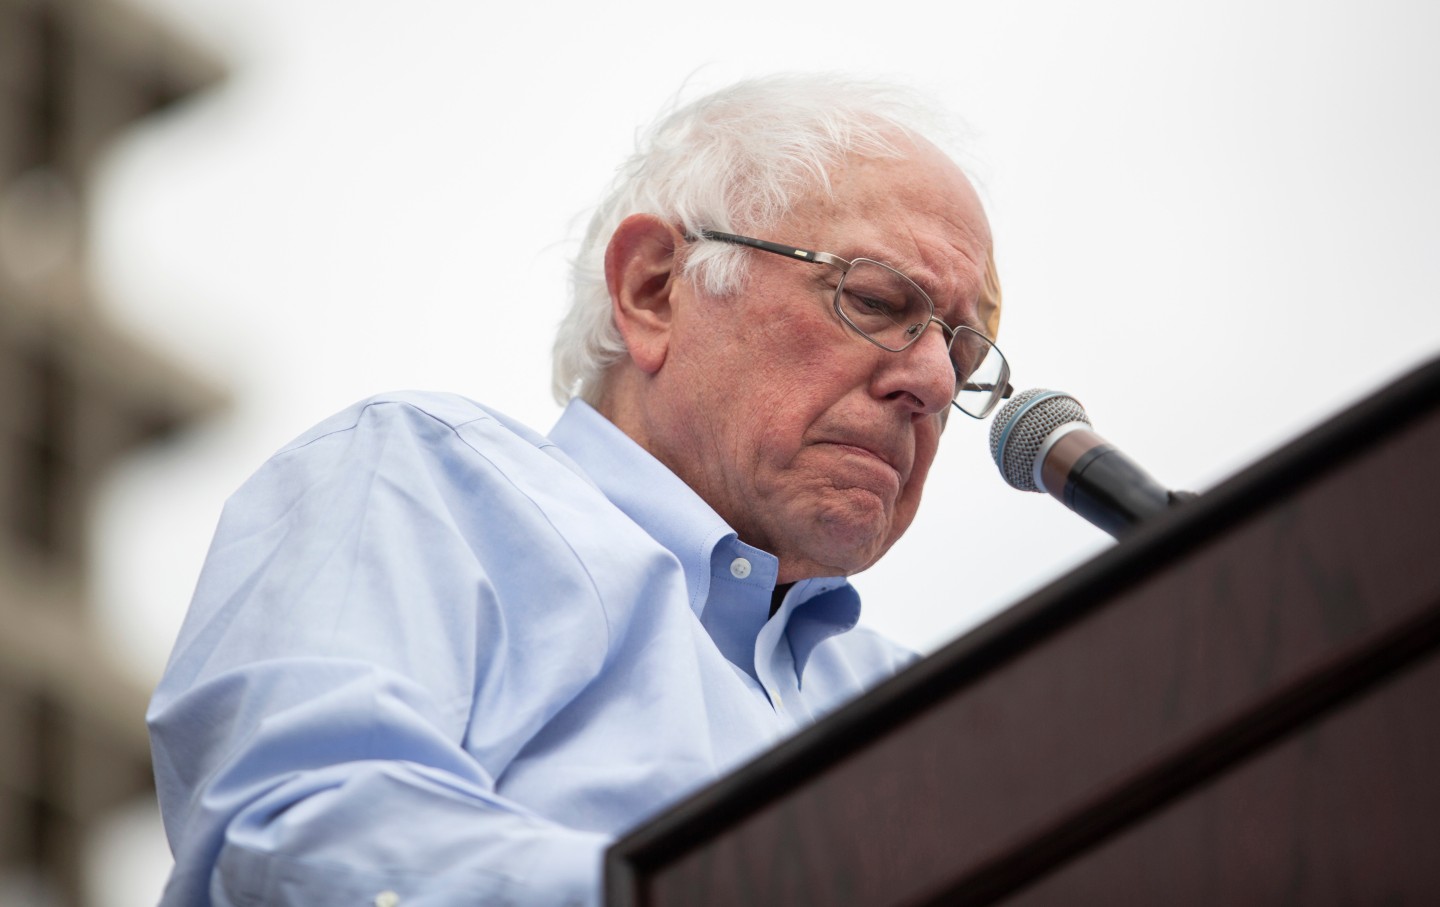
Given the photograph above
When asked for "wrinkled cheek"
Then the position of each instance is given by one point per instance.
(911, 494)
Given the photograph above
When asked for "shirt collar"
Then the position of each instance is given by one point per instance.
(646, 491)
(680, 520)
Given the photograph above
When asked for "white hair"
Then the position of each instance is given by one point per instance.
(735, 161)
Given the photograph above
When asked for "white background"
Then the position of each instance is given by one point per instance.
(1216, 225)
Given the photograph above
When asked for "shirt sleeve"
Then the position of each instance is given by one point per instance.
(366, 652)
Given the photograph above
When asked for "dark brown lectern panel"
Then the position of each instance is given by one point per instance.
(1194, 649)
(1047, 736)
(1342, 813)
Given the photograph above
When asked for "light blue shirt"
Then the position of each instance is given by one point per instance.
(437, 658)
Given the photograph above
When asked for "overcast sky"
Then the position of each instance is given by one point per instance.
(1216, 224)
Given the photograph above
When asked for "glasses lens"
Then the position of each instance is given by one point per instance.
(981, 373)
(892, 310)
(882, 304)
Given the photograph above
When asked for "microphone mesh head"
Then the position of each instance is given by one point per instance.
(1022, 426)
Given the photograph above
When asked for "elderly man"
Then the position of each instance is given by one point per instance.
(436, 657)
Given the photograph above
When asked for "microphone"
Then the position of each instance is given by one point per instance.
(1042, 440)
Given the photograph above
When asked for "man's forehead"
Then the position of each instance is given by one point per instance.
(919, 214)
(924, 202)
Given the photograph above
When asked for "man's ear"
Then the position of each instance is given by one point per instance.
(640, 265)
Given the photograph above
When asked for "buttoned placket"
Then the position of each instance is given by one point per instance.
(774, 666)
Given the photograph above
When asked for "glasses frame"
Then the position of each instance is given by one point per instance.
(998, 392)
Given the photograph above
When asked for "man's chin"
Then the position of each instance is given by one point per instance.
(830, 562)
(852, 538)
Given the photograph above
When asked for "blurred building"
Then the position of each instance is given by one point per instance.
(75, 394)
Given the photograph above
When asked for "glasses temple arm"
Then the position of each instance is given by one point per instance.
(988, 388)
(761, 244)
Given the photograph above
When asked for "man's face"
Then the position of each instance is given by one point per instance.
(811, 442)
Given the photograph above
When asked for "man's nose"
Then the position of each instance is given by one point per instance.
(924, 370)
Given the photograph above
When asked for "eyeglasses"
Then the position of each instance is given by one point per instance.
(891, 311)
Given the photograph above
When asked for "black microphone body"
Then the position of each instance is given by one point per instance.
(1103, 485)
(1043, 441)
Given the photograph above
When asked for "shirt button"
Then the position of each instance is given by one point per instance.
(739, 568)
(387, 899)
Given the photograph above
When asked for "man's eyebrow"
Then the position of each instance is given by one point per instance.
(970, 320)
(969, 313)
(915, 269)
(924, 279)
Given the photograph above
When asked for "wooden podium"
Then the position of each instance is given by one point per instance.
(1238, 704)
